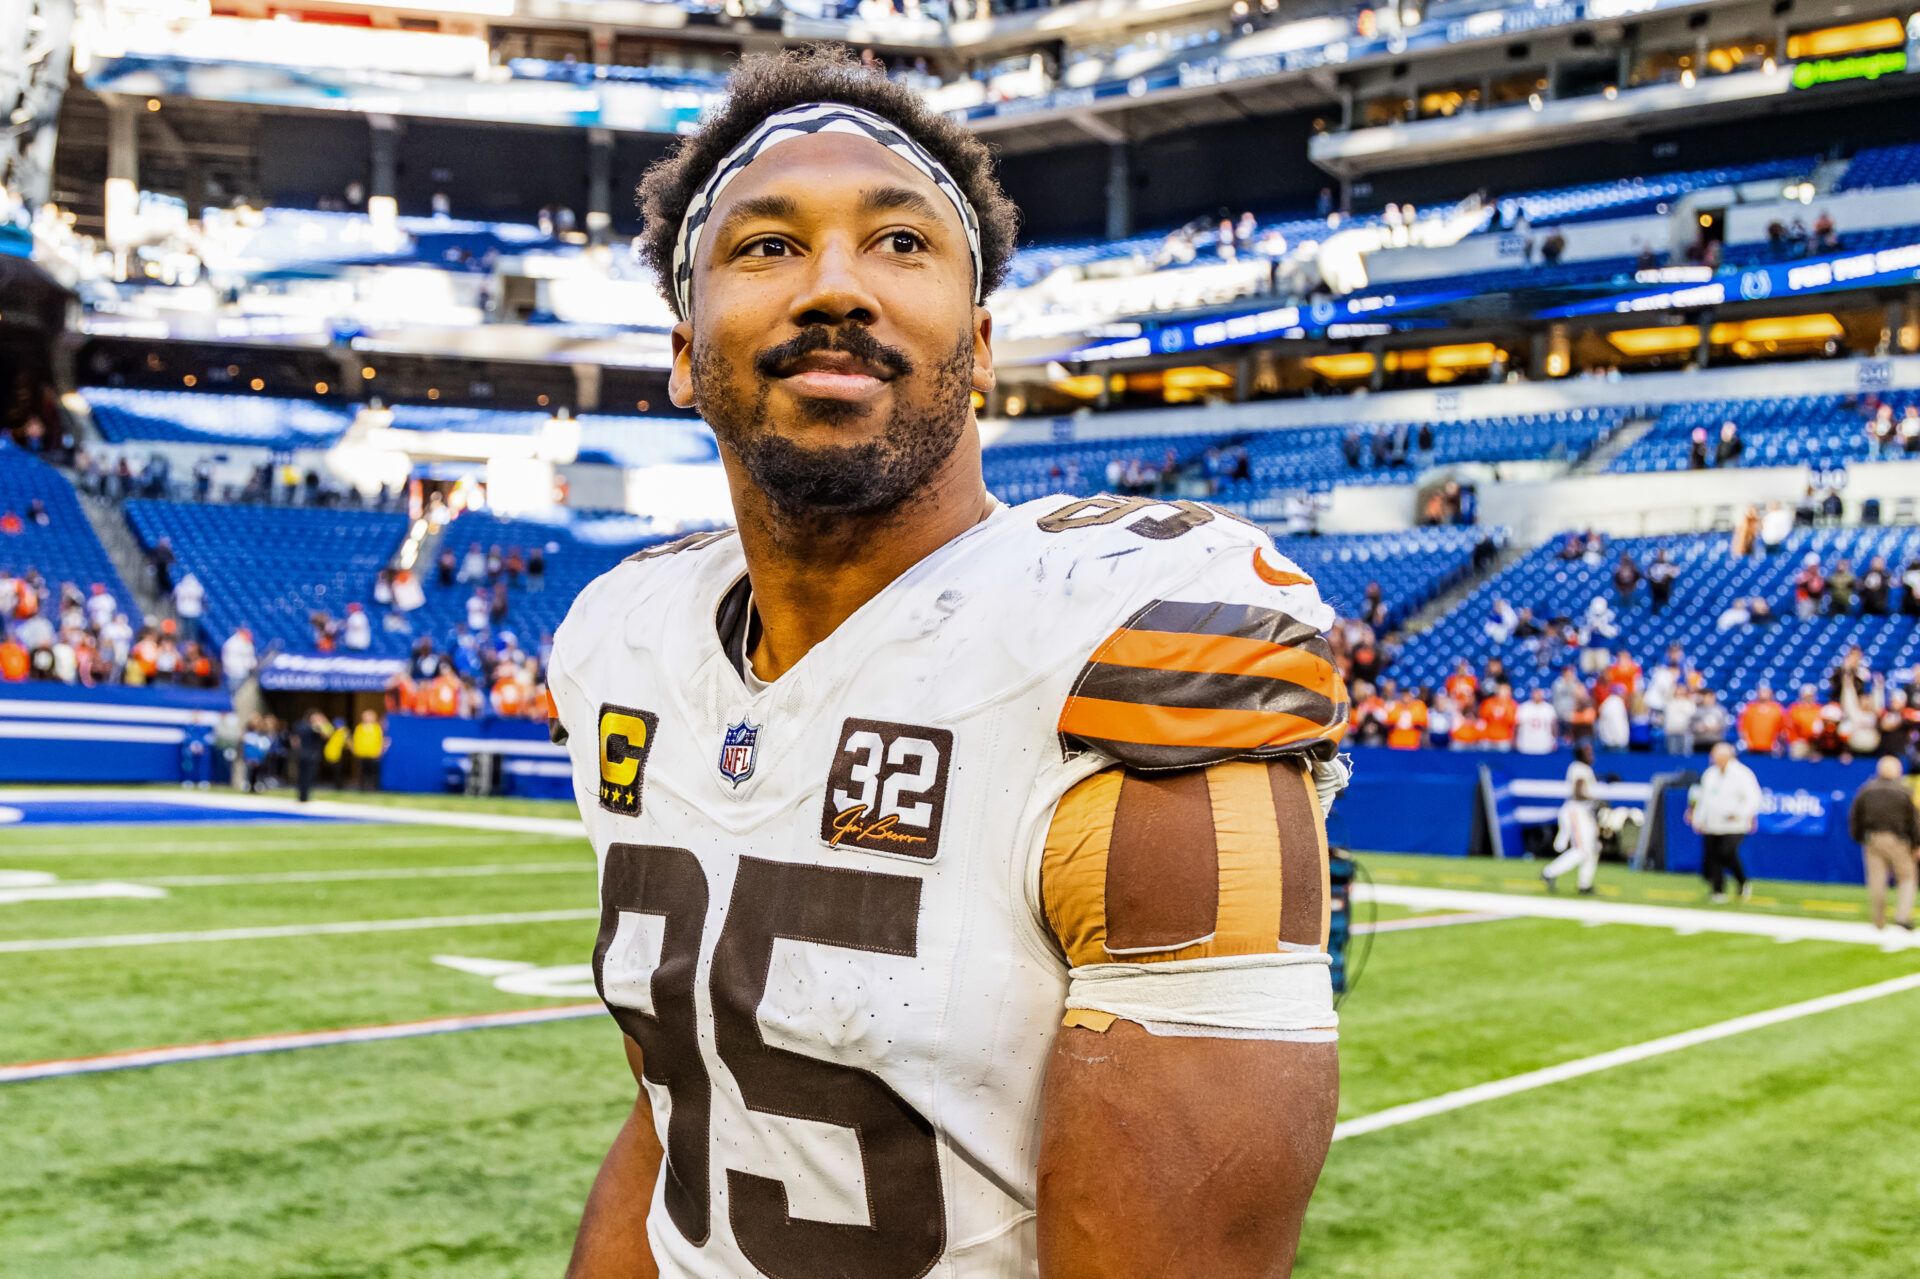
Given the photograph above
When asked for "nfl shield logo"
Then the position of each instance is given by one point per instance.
(737, 751)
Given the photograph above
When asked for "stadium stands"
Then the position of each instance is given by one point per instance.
(577, 550)
(1626, 197)
(1895, 166)
(1411, 567)
(1311, 458)
(1816, 430)
(195, 417)
(1784, 653)
(272, 567)
(64, 549)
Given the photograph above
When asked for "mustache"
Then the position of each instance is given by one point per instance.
(851, 339)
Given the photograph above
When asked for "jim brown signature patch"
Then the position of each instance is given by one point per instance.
(887, 789)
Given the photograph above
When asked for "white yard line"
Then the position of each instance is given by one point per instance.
(1408, 924)
(1681, 919)
(384, 813)
(142, 1057)
(98, 848)
(377, 813)
(32, 945)
(348, 876)
(1464, 1097)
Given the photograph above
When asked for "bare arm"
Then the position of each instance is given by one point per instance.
(612, 1243)
(1170, 1156)
(1164, 1156)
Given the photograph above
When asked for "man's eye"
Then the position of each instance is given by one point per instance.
(766, 246)
(903, 242)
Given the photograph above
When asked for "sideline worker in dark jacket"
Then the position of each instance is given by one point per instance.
(1887, 825)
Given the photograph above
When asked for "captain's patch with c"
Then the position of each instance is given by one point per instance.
(626, 739)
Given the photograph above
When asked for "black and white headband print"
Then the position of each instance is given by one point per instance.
(800, 122)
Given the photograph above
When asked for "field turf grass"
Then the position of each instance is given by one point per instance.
(1787, 1151)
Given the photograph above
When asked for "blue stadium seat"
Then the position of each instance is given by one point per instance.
(271, 567)
(1794, 430)
(1785, 653)
(196, 417)
(65, 548)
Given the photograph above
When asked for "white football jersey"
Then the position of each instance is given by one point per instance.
(821, 916)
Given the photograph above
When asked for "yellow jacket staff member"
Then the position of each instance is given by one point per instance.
(368, 744)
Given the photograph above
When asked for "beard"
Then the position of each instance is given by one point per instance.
(833, 481)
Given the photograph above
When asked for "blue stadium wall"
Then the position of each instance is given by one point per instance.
(53, 732)
(1453, 803)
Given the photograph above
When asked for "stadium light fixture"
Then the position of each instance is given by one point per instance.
(1662, 341)
(1342, 368)
(1829, 42)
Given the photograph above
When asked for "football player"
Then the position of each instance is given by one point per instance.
(962, 866)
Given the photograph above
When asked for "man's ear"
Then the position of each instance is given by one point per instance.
(983, 376)
(680, 375)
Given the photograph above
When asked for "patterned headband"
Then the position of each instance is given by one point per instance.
(800, 122)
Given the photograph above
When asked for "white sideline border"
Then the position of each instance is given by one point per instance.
(379, 814)
(1496, 1089)
(35, 945)
(140, 1058)
(1680, 919)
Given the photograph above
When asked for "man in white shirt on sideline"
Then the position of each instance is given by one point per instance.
(1724, 808)
(1577, 839)
(189, 602)
(237, 657)
(1535, 726)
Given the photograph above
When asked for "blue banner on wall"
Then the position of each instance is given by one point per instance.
(1426, 801)
(1897, 265)
(52, 732)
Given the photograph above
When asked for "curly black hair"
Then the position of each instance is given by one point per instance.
(765, 83)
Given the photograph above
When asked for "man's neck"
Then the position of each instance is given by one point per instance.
(809, 576)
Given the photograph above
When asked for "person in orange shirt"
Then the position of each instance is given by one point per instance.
(1368, 725)
(1500, 713)
(1407, 723)
(1626, 673)
(1762, 722)
(15, 664)
(1462, 687)
(443, 695)
(509, 694)
(1469, 734)
(1803, 723)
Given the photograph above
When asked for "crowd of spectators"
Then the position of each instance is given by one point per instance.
(1623, 706)
(125, 473)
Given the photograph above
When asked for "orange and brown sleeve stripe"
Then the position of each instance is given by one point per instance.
(1227, 860)
(1183, 685)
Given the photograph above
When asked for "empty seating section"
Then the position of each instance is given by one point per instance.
(1785, 653)
(1315, 457)
(605, 438)
(272, 567)
(1625, 197)
(577, 550)
(1536, 275)
(1816, 430)
(1895, 166)
(1411, 567)
(195, 417)
(64, 549)
(1311, 457)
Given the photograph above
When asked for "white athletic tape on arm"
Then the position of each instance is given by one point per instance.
(1285, 996)
(1330, 777)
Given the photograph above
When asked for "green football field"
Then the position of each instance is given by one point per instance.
(1781, 1145)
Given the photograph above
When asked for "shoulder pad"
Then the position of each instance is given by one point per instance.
(598, 610)
(1221, 654)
